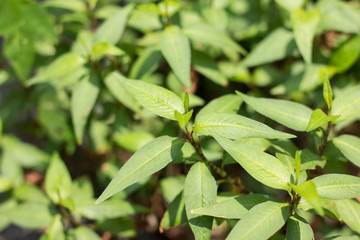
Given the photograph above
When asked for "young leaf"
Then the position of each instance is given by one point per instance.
(346, 55)
(304, 25)
(347, 104)
(229, 103)
(82, 101)
(183, 119)
(156, 99)
(175, 47)
(57, 180)
(235, 127)
(291, 114)
(199, 191)
(327, 92)
(234, 208)
(308, 191)
(55, 231)
(112, 29)
(147, 160)
(349, 211)
(261, 166)
(175, 213)
(261, 222)
(318, 119)
(349, 146)
(337, 186)
(298, 229)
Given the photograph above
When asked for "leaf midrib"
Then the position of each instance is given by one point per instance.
(346, 144)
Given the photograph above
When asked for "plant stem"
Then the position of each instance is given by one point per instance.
(325, 141)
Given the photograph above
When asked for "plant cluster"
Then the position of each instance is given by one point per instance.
(234, 119)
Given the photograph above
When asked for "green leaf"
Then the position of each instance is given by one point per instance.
(297, 165)
(83, 100)
(59, 68)
(308, 191)
(147, 160)
(206, 34)
(156, 99)
(327, 92)
(290, 5)
(132, 141)
(199, 191)
(277, 45)
(175, 213)
(234, 208)
(147, 62)
(186, 102)
(55, 231)
(349, 146)
(337, 186)
(229, 103)
(261, 166)
(318, 119)
(304, 25)
(310, 160)
(291, 114)
(183, 119)
(346, 54)
(298, 229)
(347, 104)
(82, 233)
(170, 7)
(121, 227)
(101, 49)
(31, 193)
(172, 186)
(349, 211)
(116, 88)
(112, 29)
(57, 180)
(261, 222)
(5, 184)
(235, 127)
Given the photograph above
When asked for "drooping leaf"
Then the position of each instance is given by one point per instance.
(261, 166)
(199, 191)
(229, 103)
(82, 102)
(327, 91)
(175, 47)
(337, 186)
(234, 208)
(57, 180)
(112, 29)
(347, 104)
(235, 127)
(115, 86)
(304, 25)
(147, 160)
(308, 191)
(346, 54)
(319, 118)
(277, 45)
(349, 211)
(154, 98)
(298, 229)
(349, 146)
(261, 222)
(291, 114)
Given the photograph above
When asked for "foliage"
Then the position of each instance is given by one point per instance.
(232, 118)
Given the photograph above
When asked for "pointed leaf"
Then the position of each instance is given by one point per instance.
(327, 91)
(304, 25)
(349, 146)
(235, 127)
(318, 119)
(112, 29)
(146, 161)
(347, 104)
(156, 99)
(308, 191)
(199, 191)
(261, 222)
(291, 114)
(298, 229)
(346, 55)
(175, 47)
(261, 166)
(175, 213)
(337, 186)
(57, 180)
(349, 211)
(234, 208)
(229, 103)
(82, 101)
